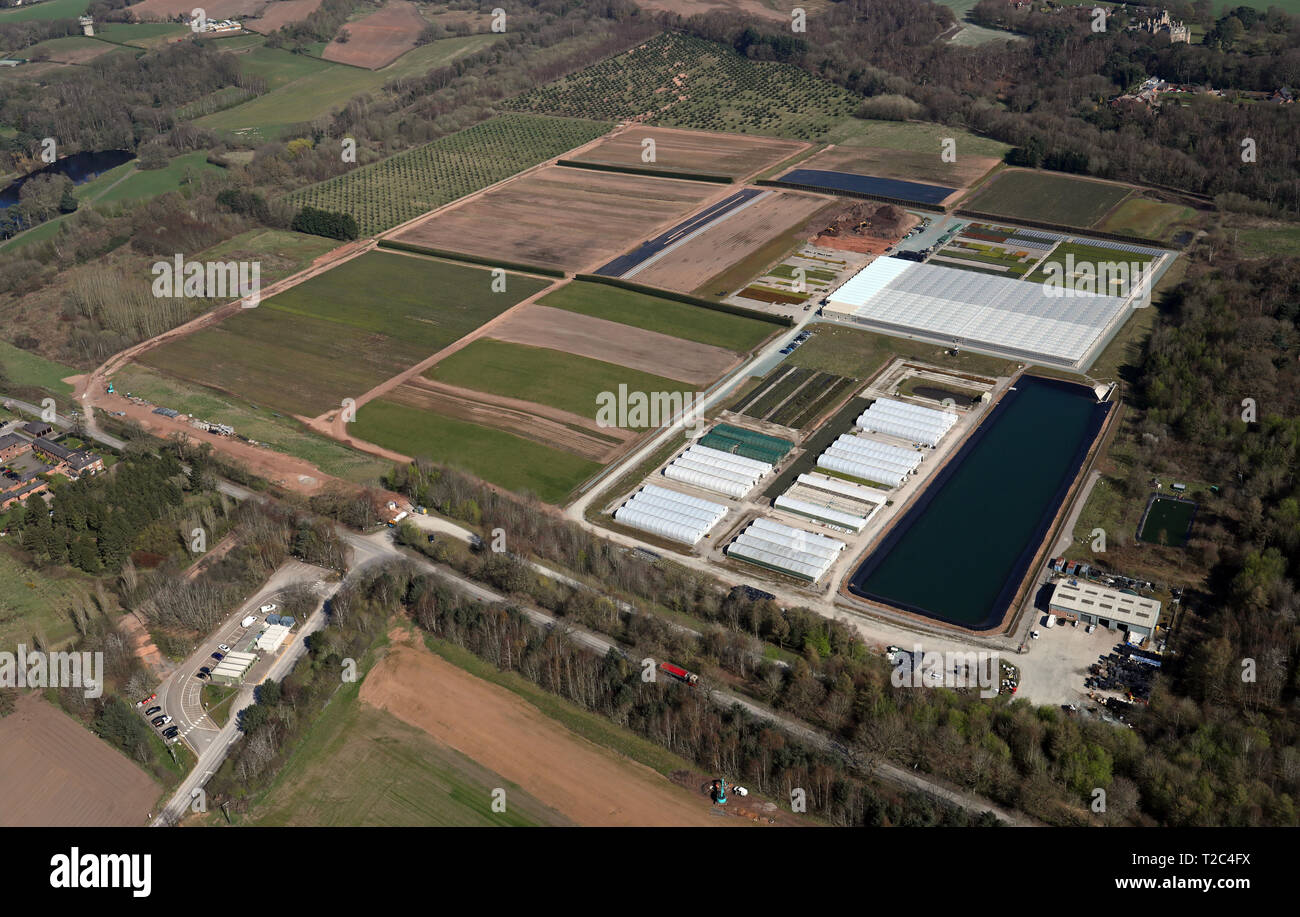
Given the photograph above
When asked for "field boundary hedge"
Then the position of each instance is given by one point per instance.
(1061, 227)
(688, 299)
(471, 259)
(839, 192)
(640, 170)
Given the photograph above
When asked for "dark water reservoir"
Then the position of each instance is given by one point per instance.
(80, 167)
(960, 552)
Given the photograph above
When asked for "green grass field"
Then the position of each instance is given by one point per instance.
(913, 137)
(1281, 239)
(23, 368)
(499, 458)
(857, 354)
(50, 9)
(305, 88)
(1047, 197)
(1149, 219)
(141, 34)
(70, 46)
(359, 765)
(127, 182)
(340, 333)
(666, 316)
(538, 374)
(36, 602)
(283, 434)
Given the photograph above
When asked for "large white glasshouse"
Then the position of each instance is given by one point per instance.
(1003, 315)
(907, 421)
(673, 515)
(718, 471)
(801, 554)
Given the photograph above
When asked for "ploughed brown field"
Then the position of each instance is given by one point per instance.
(377, 40)
(588, 783)
(162, 10)
(614, 342)
(541, 423)
(558, 217)
(281, 13)
(706, 152)
(771, 220)
(906, 165)
(59, 774)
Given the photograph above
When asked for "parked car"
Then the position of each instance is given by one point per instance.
(1033, 634)
(202, 676)
(171, 732)
(161, 720)
(1091, 628)
(153, 711)
(141, 703)
(268, 607)
(218, 656)
(223, 648)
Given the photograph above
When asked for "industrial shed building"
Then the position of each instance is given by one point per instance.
(670, 514)
(907, 421)
(1093, 604)
(269, 640)
(720, 472)
(803, 555)
(831, 501)
(1015, 318)
(232, 669)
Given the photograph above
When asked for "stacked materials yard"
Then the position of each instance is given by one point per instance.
(804, 555)
(907, 421)
(720, 472)
(869, 460)
(673, 515)
(831, 501)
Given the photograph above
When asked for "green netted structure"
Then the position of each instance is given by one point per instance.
(747, 443)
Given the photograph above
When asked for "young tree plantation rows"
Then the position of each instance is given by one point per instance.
(682, 81)
(402, 187)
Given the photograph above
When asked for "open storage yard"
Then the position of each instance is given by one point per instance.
(681, 81)
(701, 152)
(341, 333)
(59, 774)
(557, 217)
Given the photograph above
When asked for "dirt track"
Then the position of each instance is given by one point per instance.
(614, 342)
(546, 425)
(592, 785)
(58, 774)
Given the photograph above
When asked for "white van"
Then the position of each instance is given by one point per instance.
(1051, 620)
(248, 622)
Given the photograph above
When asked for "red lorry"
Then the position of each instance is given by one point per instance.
(679, 673)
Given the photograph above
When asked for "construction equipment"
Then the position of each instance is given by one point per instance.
(718, 793)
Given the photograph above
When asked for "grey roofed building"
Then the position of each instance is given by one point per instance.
(1093, 604)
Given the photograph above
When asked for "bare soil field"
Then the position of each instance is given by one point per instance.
(557, 217)
(280, 13)
(538, 422)
(377, 40)
(771, 10)
(588, 783)
(905, 165)
(162, 10)
(58, 774)
(692, 151)
(868, 227)
(731, 241)
(614, 342)
(81, 54)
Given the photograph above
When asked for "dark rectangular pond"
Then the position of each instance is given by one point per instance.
(868, 184)
(960, 552)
